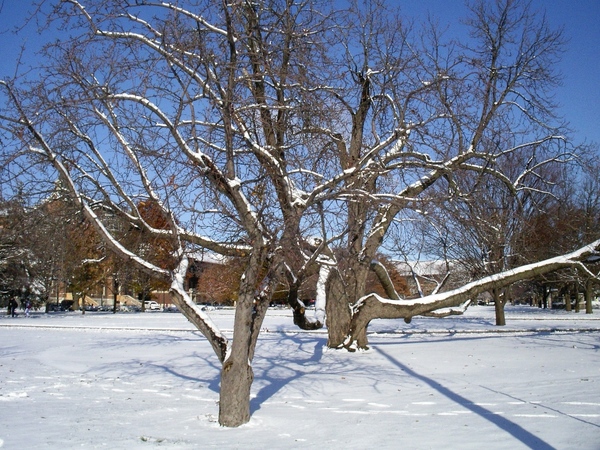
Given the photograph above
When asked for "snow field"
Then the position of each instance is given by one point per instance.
(151, 381)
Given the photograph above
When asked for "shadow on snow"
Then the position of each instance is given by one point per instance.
(512, 428)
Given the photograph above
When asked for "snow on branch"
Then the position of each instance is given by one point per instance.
(45, 150)
(445, 312)
(194, 314)
(373, 306)
(575, 258)
(201, 20)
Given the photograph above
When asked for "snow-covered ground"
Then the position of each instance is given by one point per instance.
(146, 380)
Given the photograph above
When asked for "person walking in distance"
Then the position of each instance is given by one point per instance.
(12, 307)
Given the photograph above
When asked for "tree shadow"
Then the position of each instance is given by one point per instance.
(520, 433)
(138, 367)
(212, 383)
(567, 340)
(272, 373)
(177, 367)
(425, 324)
(448, 336)
(312, 348)
(587, 422)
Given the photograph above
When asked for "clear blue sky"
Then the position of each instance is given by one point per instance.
(579, 96)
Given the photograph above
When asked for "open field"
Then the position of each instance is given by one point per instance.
(149, 380)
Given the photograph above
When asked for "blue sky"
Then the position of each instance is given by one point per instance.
(579, 96)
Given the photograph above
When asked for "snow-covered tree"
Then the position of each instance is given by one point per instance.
(196, 111)
(461, 111)
(254, 126)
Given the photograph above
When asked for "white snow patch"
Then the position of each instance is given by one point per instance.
(13, 396)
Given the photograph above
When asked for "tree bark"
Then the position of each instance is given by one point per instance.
(384, 278)
(338, 311)
(588, 296)
(216, 340)
(374, 307)
(234, 399)
(499, 307)
(236, 374)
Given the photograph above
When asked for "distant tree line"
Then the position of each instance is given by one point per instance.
(48, 248)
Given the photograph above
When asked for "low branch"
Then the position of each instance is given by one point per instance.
(373, 306)
(194, 314)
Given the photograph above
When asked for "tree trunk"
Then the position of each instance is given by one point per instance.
(588, 296)
(338, 311)
(499, 308)
(234, 399)
(236, 374)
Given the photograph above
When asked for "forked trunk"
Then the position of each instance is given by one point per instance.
(236, 373)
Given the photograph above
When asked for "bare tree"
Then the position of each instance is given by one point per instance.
(485, 232)
(45, 244)
(252, 127)
(567, 220)
(453, 111)
(196, 112)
